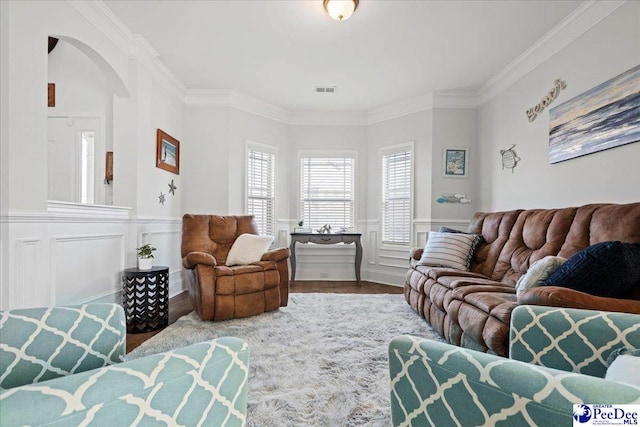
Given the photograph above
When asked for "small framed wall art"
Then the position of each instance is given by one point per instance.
(167, 152)
(455, 162)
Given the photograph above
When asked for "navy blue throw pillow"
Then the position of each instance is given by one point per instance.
(607, 269)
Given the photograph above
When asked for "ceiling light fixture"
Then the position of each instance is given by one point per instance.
(340, 9)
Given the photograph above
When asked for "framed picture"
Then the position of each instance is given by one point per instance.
(51, 94)
(108, 167)
(167, 152)
(455, 162)
(601, 118)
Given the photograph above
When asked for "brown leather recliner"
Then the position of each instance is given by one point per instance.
(218, 292)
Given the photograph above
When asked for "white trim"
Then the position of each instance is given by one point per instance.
(136, 46)
(268, 149)
(133, 45)
(569, 29)
(340, 154)
(328, 118)
(70, 210)
(400, 109)
(396, 148)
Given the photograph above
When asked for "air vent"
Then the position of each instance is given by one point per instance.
(325, 89)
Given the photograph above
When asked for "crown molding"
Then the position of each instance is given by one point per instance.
(136, 46)
(207, 98)
(133, 45)
(255, 106)
(455, 99)
(328, 118)
(402, 108)
(105, 21)
(577, 23)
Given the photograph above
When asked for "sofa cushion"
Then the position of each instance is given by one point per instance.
(624, 365)
(608, 269)
(248, 248)
(538, 272)
(453, 250)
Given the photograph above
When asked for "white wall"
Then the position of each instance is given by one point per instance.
(61, 253)
(205, 161)
(609, 48)
(454, 128)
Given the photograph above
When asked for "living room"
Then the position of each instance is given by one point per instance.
(214, 128)
(59, 252)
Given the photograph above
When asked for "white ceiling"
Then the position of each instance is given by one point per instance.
(388, 51)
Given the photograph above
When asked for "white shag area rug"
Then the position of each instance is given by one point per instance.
(320, 361)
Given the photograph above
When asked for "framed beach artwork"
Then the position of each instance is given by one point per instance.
(604, 117)
(167, 152)
(455, 162)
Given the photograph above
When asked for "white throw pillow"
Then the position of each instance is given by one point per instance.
(625, 369)
(453, 250)
(248, 248)
(538, 272)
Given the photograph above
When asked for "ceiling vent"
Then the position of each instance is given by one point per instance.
(325, 89)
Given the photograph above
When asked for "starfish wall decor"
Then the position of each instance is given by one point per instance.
(161, 198)
(172, 188)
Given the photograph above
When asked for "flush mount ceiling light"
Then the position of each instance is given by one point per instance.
(340, 9)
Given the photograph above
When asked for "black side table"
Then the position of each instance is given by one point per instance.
(145, 297)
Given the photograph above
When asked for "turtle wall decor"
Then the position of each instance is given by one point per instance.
(509, 158)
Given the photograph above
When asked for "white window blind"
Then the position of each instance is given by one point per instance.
(396, 197)
(261, 169)
(327, 193)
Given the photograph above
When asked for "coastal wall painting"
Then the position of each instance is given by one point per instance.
(604, 117)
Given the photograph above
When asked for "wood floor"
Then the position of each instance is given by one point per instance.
(180, 304)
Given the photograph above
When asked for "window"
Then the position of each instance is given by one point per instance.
(396, 195)
(261, 169)
(327, 191)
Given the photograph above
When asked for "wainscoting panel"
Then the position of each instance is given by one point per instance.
(165, 234)
(78, 255)
(86, 267)
(27, 275)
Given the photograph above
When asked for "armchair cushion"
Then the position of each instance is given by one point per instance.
(435, 384)
(570, 339)
(247, 249)
(202, 384)
(37, 344)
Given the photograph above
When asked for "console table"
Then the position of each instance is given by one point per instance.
(326, 239)
(145, 297)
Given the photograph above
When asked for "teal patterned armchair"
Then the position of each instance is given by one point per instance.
(64, 366)
(557, 358)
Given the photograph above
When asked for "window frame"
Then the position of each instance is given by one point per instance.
(270, 150)
(385, 151)
(338, 154)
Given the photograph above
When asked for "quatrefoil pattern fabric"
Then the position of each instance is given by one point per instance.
(570, 339)
(38, 344)
(200, 385)
(437, 384)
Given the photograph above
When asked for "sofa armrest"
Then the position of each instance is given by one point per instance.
(202, 384)
(276, 255)
(194, 258)
(570, 339)
(416, 253)
(37, 344)
(435, 384)
(556, 296)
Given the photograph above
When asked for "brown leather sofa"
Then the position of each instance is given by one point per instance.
(218, 292)
(473, 308)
